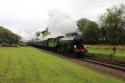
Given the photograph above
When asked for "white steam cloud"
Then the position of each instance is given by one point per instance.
(60, 23)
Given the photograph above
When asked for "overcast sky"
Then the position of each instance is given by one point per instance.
(27, 16)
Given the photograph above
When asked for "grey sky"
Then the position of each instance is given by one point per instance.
(27, 16)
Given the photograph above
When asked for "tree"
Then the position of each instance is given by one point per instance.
(113, 22)
(44, 32)
(89, 30)
(81, 24)
(6, 36)
(102, 35)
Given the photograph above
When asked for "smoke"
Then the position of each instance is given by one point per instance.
(60, 23)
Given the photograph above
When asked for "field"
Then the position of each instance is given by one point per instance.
(107, 51)
(119, 53)
(29, 65)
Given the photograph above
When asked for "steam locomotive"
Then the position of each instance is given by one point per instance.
(63, 45)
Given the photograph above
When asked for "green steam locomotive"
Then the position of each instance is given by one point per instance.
(64, 45)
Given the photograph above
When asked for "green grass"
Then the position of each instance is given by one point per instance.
(104, 51)
(29, 65)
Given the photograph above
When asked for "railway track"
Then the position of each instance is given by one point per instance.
(108, 63)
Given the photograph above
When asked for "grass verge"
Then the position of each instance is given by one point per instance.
(29, 65)
(107, 53)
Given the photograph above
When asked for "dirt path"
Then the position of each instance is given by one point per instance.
(95, 67)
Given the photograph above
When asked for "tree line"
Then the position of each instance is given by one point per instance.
(8, 37)
(110, 28)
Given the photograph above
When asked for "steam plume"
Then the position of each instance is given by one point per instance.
(60, 23)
